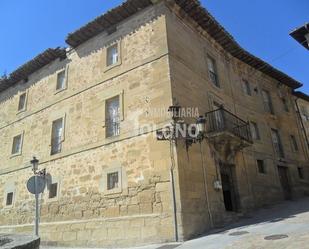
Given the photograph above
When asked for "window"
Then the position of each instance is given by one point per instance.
(304, 113)
(261, 166)
(212, 70)
(112, 121)
(61, 80)
(57, 134)
(255, 133)
(246, 87)
(285, 104)
(300, 173)
(112, 180)
(267, 102)
(53, 190)
(16, 147)
(9, 199)
(277, 142)
(112, 55)
(22, 102)
(294, 143)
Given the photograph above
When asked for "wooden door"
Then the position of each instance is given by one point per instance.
(284, 180)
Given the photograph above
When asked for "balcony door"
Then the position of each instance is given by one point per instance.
(228, 182)
(219, 118)
(284, 181)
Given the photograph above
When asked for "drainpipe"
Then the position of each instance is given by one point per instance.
(302, 125)
(206, 187)
(174, 205)
(172, 180)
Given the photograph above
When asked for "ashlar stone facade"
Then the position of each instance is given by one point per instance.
(130, 188)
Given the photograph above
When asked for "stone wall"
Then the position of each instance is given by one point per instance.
(84, 212)
(189, 47)
(162, 62)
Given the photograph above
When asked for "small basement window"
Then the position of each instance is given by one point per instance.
(112, 180)
(9, 198)
(53, 189)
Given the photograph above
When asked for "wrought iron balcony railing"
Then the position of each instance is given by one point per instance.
(221, 120)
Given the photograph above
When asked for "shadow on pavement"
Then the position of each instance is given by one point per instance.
(269, 214)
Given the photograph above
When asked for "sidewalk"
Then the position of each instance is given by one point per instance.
(284, 226)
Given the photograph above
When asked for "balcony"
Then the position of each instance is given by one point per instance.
(227, 133)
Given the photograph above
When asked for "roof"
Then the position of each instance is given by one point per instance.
(299, 35)
(301, 95)
(214, 29)
(199, 14)
(23, 72)
(106, 21)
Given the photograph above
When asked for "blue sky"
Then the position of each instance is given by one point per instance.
(261, 26)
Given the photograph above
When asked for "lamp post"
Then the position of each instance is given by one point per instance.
(35, 165)
(174, 110)
(200, 123)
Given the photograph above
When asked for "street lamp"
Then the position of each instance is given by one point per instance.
(200, 123)
(35, 164)
(174, 110)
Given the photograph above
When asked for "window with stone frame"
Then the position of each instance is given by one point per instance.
(294, 143)
(17, 143)
(300, 171)
(261, 166)
(246, 87)
(212, 71)
(285, 104)
(22, 102)
(53, 190)
(112, 116)
(57, 133)
(112, 180)
(304, 113)
(9, 198)
(267, 102)
(277, 142)
(255, 133)
(112, 55)
(61, 84)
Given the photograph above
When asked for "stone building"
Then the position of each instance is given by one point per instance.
(302, 109)
(86, 113)
(301, 35)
